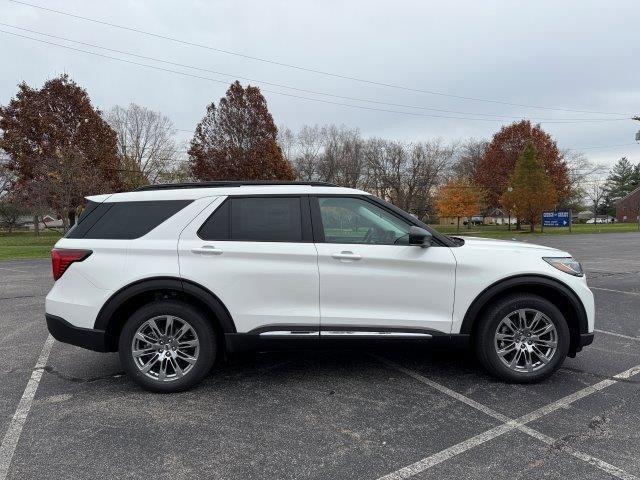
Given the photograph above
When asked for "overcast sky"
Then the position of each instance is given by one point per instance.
(575, 55)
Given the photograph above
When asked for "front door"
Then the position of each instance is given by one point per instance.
(370, 278)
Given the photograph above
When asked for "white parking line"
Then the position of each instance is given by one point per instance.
(507, 426)
(629, 337)
(616, 291)
(10, 440)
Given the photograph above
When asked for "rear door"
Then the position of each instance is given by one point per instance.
(371, 279)
(257, 255)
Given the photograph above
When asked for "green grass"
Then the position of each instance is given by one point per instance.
(500, 231)
(26, 244)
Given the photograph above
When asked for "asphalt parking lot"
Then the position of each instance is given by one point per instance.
(327, 415)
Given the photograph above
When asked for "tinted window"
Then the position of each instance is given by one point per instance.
(352, 220)
(217, 225)
(258, 219)
(125, 220)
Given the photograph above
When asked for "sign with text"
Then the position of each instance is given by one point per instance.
(556, 219)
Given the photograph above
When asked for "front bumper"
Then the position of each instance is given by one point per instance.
(64, 332)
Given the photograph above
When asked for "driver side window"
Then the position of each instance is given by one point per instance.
(352, 220)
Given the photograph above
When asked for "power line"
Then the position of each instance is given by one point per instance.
(306, 69)
(314, 92)
(602, 146)
(318, 100)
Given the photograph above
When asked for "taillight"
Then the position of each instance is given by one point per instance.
(61, 258)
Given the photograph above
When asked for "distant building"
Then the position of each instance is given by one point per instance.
(628, 207)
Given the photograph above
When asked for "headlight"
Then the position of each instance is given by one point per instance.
(566, 264)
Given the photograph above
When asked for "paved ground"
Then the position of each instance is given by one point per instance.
(322, 415)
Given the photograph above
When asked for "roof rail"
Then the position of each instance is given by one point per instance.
(228, 183)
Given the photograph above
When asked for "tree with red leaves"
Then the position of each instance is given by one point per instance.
(494, 170)
(238, 140)
(59, 147)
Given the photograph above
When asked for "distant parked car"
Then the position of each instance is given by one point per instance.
(601, 220)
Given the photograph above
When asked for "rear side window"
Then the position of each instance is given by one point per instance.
(125, 220)
(257, 219)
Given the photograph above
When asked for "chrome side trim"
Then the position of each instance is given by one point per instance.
(364, 333)
(290, 333)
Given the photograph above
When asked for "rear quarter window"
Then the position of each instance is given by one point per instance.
(125, 220)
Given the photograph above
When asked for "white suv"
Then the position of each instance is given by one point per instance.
(174, 276)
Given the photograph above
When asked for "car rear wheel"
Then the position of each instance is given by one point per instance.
(167, 346)
(522, 338)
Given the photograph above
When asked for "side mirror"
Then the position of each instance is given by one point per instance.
(420, 237)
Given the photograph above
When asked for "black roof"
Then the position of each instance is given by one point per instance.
(229, 183)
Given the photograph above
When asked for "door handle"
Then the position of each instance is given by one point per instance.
(346, 255)
(207, 250)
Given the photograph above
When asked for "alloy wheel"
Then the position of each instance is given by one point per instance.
(165, 348)
(526, 340)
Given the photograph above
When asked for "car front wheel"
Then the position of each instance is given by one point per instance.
(167, 346)
(522, 338)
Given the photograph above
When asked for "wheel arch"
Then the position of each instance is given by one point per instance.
(549, 288)
(119, 307)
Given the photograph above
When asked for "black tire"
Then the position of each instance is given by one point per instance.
(188, 314)
(485, 338)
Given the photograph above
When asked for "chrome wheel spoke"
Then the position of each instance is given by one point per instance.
(509, 324)
(544, 330)
(515, 359)
(162, 373)
(505, 337)
(146, 338)
(188, 344)
(147, 366)
(506, 350)
(545, 343)
(176, 367)
(186, 357)
(144, 351)
(536, 319)
(168, 327)
(522, 319)
(154, 328)
(527, 360)
(543, 358)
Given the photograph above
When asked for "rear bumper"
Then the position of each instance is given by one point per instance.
(87, 338)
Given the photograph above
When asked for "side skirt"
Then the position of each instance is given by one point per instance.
(299, 337)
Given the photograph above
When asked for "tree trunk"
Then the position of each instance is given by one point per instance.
(36, 224)
(72, 218)
(518, 226)
(532, 227)
(458, 227)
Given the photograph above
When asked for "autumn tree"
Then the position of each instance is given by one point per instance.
(532, 189)
(146, 145)
(57, 127)
(495, 169)
(237, 140)
(459, 198)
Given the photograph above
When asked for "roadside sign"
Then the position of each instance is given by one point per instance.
(559, 218)
(556, 219)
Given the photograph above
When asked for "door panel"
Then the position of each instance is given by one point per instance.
(388, 286)
(260, 282)
(371, 277)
